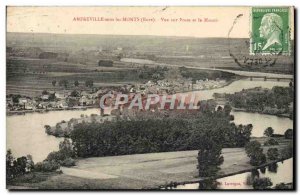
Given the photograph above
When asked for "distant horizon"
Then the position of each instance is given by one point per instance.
(131, 35)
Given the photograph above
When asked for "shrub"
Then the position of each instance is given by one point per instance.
(252, 147)
(287, 152)
(272, 153)
(288, 134)
(269, 132)
(257, 158)
(262, 183)
(68, 162)
(282, 186)
(46, 166)
(209, 158)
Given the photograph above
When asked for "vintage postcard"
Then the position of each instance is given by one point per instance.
(150, 98)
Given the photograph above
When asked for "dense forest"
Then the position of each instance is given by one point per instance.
(158, 135)
(276, 101)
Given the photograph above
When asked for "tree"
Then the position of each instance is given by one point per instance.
(47, 129)
(227, 109)
(257, 158)
(252, 147)
(209, 158)
(272, 168)
(262, 183)
(29, 163)
(9, 165)
(75, 93)
(76, 83)
(89, 83)
(242, 134)
(19, 166)
(54, 83)
(272, 153)
(287, 152)
(66, 148)
(255, 152)
(269, 132)
(45, 92)
(288, 134)
(64, 83)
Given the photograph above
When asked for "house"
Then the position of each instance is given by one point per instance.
(45, 97)
(61, 95)
(43, 105)
(62, 104)
(84, 101)
(9, 101)
(23, 101)
(84, 93)
(28, 106)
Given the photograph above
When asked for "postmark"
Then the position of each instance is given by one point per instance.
(270, 31)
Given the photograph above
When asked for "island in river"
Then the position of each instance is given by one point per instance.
(71, 181)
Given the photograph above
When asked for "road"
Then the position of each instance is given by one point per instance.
(237, 72)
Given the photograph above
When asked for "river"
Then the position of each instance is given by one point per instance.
(283, 173)
(26, 134)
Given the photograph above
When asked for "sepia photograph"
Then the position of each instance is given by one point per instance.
(165, 98)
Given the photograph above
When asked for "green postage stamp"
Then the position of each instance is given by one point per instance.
(270, 31)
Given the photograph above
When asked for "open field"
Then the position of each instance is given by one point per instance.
(78, 57)
(141, 170)
(29, 77)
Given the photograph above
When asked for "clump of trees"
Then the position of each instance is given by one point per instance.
(64, 157)
(18, 166)
(275, 101)
(262, 183)
(157, 135)
(46, 166)
(287, 152)
(255, 152)
(105, 63)
(204, 74)
(152, 73)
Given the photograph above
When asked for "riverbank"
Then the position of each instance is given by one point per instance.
(247, 111)
(23, 112)
(141, 171)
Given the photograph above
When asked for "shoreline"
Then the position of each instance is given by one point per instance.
(224, 175)
(246, 111)
(23, 112)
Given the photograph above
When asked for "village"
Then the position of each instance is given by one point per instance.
(77, 99)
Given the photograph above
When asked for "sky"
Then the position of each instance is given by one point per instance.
(61, 20)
